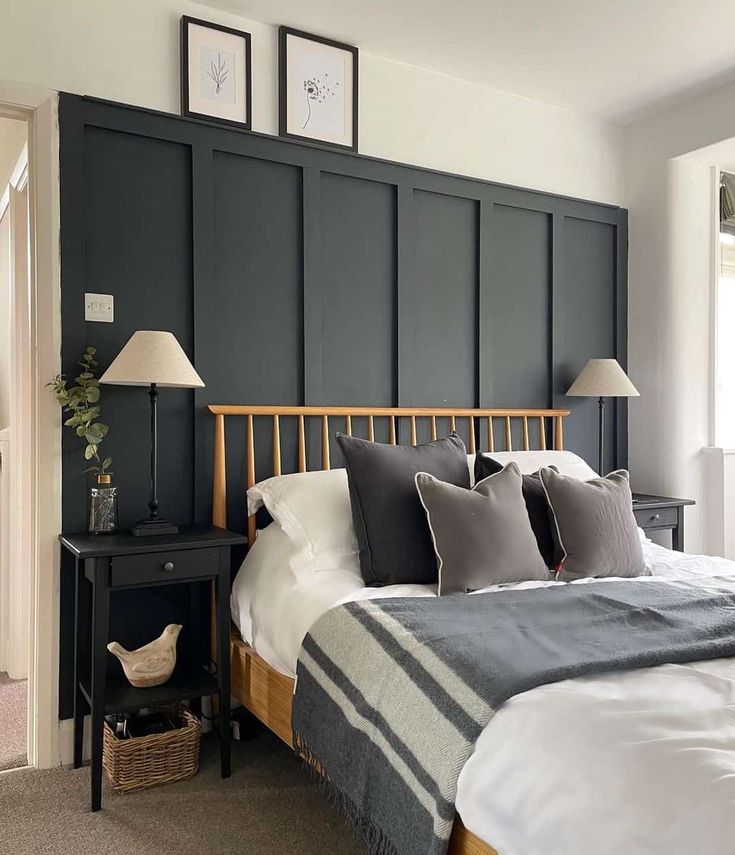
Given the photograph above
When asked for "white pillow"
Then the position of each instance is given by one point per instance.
(567, 462)
(313, 509)
(266, 567)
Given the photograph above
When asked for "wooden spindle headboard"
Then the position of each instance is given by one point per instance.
(480, 423)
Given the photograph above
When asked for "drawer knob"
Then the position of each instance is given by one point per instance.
(653, 519)
(168, 566)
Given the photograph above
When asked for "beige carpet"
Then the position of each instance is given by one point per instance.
(269, 806)
(13, 712)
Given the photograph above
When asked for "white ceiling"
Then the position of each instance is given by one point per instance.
(615, 59)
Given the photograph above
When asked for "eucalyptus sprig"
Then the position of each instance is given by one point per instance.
(82, 402)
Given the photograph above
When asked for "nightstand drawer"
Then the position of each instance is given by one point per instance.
(163, 566)
(656, 517)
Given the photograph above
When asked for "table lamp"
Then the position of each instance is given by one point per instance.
(602, 378)
(155, 359)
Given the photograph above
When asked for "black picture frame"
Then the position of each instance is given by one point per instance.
(186, 22)
(283, 33)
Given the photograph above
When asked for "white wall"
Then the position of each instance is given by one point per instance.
(667, 182)
(129, 51)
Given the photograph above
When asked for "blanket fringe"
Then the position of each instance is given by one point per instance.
(375, 838)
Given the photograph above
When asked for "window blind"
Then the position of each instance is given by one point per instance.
(727, 203)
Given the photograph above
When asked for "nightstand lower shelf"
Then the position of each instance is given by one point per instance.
(121, 697)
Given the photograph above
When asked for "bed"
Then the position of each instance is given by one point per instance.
(263, 690)
(266, 687)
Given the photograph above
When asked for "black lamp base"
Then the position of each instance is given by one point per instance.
(145, 528)
(153, 525)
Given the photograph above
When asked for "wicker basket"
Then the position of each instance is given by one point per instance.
(147, 761)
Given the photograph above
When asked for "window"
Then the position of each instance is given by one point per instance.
(725, 387)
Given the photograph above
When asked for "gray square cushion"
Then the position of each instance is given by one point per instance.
(594, 526)
(481, 536)
(390, 524)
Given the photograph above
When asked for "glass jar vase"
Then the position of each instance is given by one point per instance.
(103, 506)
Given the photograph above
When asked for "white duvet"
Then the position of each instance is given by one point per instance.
(636, 763)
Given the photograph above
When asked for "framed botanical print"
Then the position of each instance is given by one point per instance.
(317, 89)
(215, 73)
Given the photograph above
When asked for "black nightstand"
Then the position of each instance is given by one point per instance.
(107, 563)
(659, 513)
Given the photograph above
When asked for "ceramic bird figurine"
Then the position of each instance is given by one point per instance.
(152, 664)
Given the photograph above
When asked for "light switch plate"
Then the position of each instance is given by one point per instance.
(99, 307)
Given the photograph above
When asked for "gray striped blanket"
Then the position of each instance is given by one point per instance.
(392, 694)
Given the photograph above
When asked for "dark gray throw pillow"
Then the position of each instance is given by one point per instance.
(481, 536)
(536, 505)
(390, 524)
(594, 525)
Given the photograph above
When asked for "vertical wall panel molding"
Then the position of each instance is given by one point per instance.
(312, 305)
(405, 298)
(557, 274)
(204, 278)
(621, 334)
(485, 390)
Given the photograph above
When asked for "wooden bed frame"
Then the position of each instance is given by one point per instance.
(260, 688)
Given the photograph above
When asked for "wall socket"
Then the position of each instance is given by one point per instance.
(99, 307)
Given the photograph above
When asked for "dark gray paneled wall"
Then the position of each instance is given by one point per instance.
(294, 274)
(358, 291)
(131, 236)
(445, 308)
(521, 306)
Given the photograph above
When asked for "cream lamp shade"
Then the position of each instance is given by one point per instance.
(603, 378)
(155, 359)
(152, 356)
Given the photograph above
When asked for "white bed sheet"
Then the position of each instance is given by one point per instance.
(273, 609)
(641, 762)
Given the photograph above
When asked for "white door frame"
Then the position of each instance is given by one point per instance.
(41, 446)
(15, 633)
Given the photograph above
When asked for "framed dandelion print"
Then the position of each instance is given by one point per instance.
(317, 89)
(215, 73)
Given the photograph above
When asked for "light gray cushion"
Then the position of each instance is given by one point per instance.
(481, 536)
(594, 526)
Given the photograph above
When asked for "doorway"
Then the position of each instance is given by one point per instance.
(15, 322)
